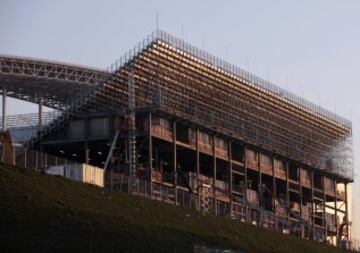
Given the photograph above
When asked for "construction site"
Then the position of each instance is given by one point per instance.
(174, 123)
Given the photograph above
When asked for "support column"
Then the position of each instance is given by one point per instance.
(40, 157)
(197, 159)
(261, 190)
(230, 177)
(3, 121)
(260, 182)
(312, 205)
(287, 188)
(274, 184)
(301, 202)
(86, 144)
(25, 158)
(347, 212)
(336, 213)
(40, 116)
(245, 176)
(175, 162)
(300, 191)
(214, 175)
(324, 207)
(4, 110)
(198, 188)
(150, 156)
(86, 150)
(247, 212)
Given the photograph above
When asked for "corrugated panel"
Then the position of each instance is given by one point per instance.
(99, 127)
(77, 129)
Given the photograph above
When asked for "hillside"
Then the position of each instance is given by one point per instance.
(40, 213)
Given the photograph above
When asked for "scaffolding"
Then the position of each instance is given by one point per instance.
(179, 115)
(195, 86)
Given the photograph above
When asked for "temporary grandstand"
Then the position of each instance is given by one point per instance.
(174, 123)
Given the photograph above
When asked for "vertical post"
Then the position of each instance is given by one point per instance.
(336, 220)
(4, 110)
(301, 201)
(300, 192)
(312, 204)
(86, 154)
(36, 160)
(132, 126)
(274, 184)
(175, 161)
(214, 174)
(245, 175)
(197, 159)
(324, 206)
(46, 160)
(261, 190)
(3, 121)
(230, 176)
(260, 181)
(150, 156)
(25, 158)
(347, 212)
(198, 167)
(13, 160)
(40, 156)
(40, 116)
(287, 188)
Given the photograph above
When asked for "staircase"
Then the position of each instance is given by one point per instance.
(204, 198)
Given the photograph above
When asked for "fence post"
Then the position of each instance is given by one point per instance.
(111, 180)
(145, 188)
(121, 183)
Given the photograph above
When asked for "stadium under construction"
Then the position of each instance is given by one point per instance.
(171, 122)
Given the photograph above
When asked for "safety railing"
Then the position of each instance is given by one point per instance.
(244, 212)
(29, 119)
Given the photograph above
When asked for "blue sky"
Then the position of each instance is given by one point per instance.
(309, 47)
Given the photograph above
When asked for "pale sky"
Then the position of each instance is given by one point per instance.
(309, 47)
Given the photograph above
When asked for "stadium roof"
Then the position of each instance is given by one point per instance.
(57, 83)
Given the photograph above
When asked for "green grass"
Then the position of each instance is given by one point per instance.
(39, 211)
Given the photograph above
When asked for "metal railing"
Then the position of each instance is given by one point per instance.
(29, 119)
(241, 211)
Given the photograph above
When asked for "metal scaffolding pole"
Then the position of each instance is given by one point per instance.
(132, 126)
(40, 115)
(4, 110)
(3, 121)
